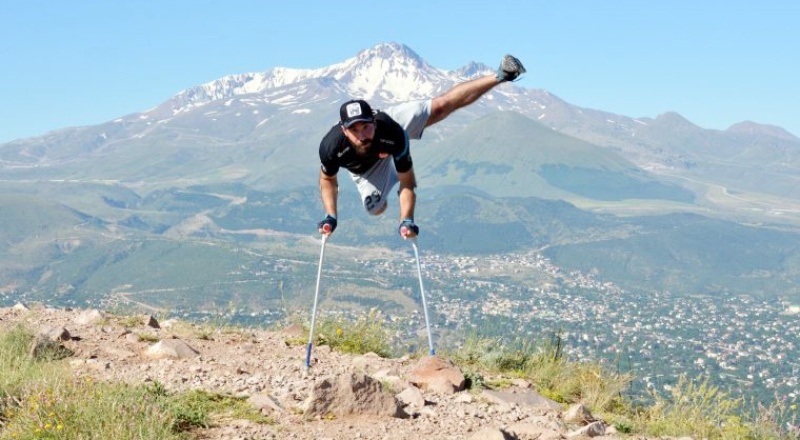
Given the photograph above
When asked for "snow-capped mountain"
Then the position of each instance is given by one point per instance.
(388, 72)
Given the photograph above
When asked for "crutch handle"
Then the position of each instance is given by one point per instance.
(407, 233)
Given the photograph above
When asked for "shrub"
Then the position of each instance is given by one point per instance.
(543, 364)
(365, 335)
(695, 408)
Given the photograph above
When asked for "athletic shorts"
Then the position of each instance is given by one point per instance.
(374, 185)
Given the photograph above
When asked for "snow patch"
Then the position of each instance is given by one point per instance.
(301, 110)
(288, 99)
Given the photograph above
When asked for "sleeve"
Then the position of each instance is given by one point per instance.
(402, 159)
(327, 156)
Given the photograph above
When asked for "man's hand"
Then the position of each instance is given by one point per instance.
(327, 225)
(408, 229)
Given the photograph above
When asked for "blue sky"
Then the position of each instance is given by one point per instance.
(715, 62)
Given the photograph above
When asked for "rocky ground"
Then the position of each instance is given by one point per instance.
(339, 397)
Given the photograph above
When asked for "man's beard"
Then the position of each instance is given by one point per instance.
(363, 148)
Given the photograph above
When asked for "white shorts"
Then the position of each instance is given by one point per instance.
(374, 185)
(412, 116)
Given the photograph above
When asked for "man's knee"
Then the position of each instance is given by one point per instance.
(375, 203)
(377, 210)
(439, 110)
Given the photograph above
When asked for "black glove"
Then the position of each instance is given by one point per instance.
(408, 224)
(327, 225)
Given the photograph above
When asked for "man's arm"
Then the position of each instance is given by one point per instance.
(329, 191)
(407, 196)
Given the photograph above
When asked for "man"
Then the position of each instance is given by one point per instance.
(374, 147)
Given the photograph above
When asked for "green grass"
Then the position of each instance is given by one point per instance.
(544, 366)
(692, 408)
(40, 399)
(695, 406)
(365, 335)
(17, 366)
(706, 411)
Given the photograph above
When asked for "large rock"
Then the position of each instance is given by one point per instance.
(20, 307)
(351, 394)
(578, 414)
(367, 362)
(295, 331)
(265, 403)
(595, 429)
(91, 316)
(43, 348)
(531, 431)
(437, 375)
(412, 397)
(171, 349)
(55, 333)
(151, 321)
(487, 433)
(521, 397)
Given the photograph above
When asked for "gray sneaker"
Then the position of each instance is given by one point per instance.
(510, 68)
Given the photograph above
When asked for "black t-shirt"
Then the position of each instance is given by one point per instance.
(335, 150)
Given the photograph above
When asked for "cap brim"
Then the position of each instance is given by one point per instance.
(347, 124)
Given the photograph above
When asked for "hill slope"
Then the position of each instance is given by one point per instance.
(267, 369)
